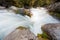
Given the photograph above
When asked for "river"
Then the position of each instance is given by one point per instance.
(9, 21)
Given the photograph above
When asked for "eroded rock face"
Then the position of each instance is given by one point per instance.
(21, 34)
(54, 7)
(52, 30)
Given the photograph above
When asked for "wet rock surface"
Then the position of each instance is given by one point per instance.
(52, 30)
(21, 34)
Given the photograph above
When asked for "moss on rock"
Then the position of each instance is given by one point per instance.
(21, 27)
(43, 36)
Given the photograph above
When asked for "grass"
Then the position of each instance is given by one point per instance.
(21, 28)
(43, 36)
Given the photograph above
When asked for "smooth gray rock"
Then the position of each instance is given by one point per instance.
(52, 30)
(21, 34)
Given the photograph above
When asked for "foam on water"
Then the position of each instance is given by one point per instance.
(40, 17)
(9, 21)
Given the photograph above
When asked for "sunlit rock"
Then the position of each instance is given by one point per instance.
(52, 30)
(21, 33)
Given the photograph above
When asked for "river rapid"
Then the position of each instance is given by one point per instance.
(9, 21)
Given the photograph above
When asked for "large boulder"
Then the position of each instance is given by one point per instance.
(54, 10)
(23, 12)
(52, 30)
(54, 7)
(21, 33)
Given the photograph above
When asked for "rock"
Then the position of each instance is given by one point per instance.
(21, 34)
(54, 10)
(54, 7)
(20, 11)
(24, 12)
(1, 7)
(28, 12)
(13, 8)
(52, 30)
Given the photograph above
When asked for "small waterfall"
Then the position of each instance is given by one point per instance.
(40, 17)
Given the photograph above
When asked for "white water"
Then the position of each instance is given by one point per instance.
(10, 21)
(40, 17)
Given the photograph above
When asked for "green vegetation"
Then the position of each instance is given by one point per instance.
(55, 14)
(43, 36)
(22, 3)
(17, 3)
(21, 27)
(42, 2)
(30, 3)
(17, 11)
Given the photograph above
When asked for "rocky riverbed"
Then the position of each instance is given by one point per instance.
(22, 33)
(10, 21)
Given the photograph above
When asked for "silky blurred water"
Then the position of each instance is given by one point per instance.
(9, 21)
(41, 17)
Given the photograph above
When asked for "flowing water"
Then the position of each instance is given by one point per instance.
(41, 17)
(9, 21)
